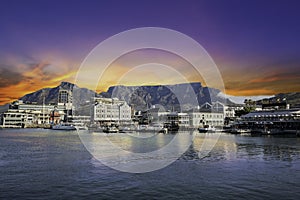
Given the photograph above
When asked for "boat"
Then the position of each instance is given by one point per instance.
(207, 129)
(64, 127)
(171, 127)
(110, 129)
(81, 128)
(155, 127)
(239, 131)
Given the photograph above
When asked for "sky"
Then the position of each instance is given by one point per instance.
(255, 44)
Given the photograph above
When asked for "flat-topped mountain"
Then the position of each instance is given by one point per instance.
(183, 96)
(179, 96)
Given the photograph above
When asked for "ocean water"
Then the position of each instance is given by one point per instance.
(47, 164)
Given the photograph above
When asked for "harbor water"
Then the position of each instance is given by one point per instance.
(48, 164)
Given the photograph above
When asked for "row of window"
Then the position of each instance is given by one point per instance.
(112, 116)
(208, 116)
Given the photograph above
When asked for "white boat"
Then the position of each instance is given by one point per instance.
(156, 127)
(81, 128)
(239, 131)
(65, 127)
(207, 129)
(110, 129)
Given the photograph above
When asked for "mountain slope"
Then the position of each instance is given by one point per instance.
(291, 98)
(51, 94)
(180, 96)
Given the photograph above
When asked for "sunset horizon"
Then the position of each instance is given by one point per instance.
(255, 50)
(151, 99)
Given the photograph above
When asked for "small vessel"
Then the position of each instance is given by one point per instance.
(110, 129)
(207, 129)
(171, 127)
(155, 127)
(64, 127)
(81, 128)
(239, 131)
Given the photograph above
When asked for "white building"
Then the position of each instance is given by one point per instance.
(21, 114)
(200, 118)
(65, 98)
(111, 110)
(207, 114)
(16, 118)
(231, 110)
(183, 119)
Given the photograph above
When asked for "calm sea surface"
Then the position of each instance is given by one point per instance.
(46, 164)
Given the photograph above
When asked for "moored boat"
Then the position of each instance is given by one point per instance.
(64, 127)
(207, 129)
(110, 129)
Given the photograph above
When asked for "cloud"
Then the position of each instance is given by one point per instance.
(277, 77)
(9, 77)
(22, 78)
(264, 85)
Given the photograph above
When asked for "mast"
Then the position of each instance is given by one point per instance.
(43, 113)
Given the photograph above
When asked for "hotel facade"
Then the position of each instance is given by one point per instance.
(111, 110)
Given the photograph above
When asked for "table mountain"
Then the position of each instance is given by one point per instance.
(178, 97)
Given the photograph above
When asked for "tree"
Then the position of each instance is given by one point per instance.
(249, 106)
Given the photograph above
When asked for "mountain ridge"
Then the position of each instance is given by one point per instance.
(149, 95)
(142, 97)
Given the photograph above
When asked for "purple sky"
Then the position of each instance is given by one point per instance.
(256, 44)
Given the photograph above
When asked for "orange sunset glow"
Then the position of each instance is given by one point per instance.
(44, 74)
(256, 50)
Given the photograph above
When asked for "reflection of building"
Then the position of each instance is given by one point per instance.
(80, 120)
(111, 110)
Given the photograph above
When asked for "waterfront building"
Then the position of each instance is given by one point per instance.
(108, 110)
(64, 101)
(199, 118)
(22, 114)
(230, 110)
(65, 98)
(16, 118)
(272, 121)
(207, 114)
(183, 120)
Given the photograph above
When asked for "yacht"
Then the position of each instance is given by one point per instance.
(110, 129)
(207, 129)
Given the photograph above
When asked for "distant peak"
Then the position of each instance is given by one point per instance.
(66, 83)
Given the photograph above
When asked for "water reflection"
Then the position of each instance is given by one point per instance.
(232, 147)
(136, 154)
(49, 164)
(188, 146)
